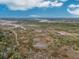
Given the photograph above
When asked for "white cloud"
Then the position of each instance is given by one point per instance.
(34, 16)
(44, 4)
(29, 4)
(63, 0)
(23, 4)
(73, 9)
(73, 6)
(56, 4)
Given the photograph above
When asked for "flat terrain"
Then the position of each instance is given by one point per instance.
(39, 40)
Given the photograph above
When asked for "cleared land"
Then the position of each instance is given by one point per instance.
(39, 40)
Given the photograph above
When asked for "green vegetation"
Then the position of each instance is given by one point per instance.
(40, 40)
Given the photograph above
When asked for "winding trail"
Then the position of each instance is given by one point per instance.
(15, 34)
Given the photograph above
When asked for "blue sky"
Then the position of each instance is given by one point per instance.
(39, 8)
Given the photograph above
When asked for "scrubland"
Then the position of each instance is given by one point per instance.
(39, 40)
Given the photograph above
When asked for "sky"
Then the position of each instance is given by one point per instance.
(39, 8)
